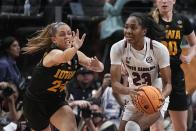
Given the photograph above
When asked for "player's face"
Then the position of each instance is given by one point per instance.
(165, 6)
(133, 31)
(63, 37)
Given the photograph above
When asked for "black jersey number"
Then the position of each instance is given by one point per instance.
(57, 86)
(143, 79)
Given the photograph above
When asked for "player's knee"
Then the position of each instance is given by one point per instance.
(132, 126)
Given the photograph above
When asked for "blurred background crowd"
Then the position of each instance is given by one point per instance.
(103, 24)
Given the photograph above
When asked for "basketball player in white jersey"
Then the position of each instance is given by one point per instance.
(146, 61)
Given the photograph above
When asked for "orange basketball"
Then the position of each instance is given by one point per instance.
(149, 100)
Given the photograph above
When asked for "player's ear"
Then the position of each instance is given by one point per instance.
(53, 39)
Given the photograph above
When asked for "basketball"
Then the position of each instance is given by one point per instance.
(149, 100)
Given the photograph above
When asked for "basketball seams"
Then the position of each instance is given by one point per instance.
(141, 105)
(148, 96)
(138, 104)
(150, 101)
(157, 93)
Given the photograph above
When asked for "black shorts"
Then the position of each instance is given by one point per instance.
(178, 96)
(38, 113)
(178, 101)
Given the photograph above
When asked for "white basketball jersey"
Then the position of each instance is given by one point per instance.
(141, 66)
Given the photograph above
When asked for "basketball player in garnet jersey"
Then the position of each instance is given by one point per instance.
(143, 58)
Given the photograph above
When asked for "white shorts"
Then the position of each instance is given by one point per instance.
(130, 110)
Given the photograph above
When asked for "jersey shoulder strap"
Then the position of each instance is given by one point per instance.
(151, 45)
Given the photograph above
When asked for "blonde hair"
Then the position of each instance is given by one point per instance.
(155, 14)
(43, 40)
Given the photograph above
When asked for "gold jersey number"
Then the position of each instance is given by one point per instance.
(171, 46)
(57, 86)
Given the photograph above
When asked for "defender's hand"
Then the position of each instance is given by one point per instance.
(77, 41)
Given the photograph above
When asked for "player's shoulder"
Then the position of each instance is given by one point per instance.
(178, 17)
(156, 44)
(119, 45)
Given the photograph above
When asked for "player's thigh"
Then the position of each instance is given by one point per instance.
(64, 118)
(179, 117)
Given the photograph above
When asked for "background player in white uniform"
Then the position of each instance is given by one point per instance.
(143, 59)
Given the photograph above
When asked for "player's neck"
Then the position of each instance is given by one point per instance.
(139, 45)
(167, 16)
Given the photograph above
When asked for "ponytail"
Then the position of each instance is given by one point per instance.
(43, 40)
(155, 15)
